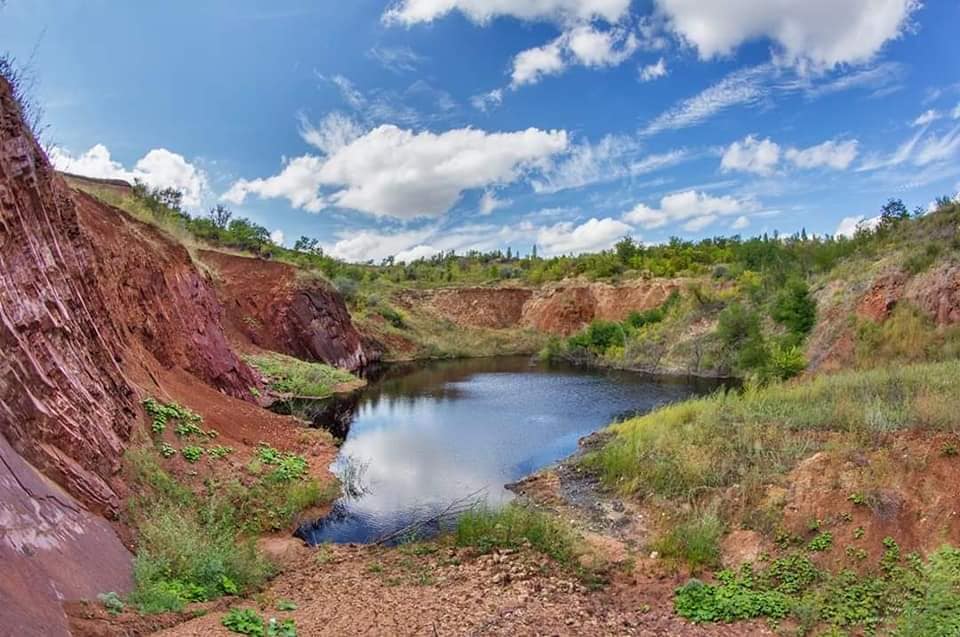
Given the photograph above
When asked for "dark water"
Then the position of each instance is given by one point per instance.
(424, 436)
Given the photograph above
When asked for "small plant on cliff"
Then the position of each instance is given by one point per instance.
(188, 421)
(112, 602)
(192, 453)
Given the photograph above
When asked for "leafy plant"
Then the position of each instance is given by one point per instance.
(167, 450)
(244, 621)
(219, 451)
(822, 542)
(112, 602)
(192, 453)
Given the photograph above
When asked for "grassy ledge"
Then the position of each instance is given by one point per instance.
(302, 379)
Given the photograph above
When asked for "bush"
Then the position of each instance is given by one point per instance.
(785, 362)
(289, 375)
(598, 337)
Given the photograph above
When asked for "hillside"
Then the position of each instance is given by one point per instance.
(142, 345)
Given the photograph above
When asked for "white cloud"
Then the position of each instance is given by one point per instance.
(849, 225)
(745, 86)
(653, 71)
(277, 237)
(159, 168)
(925, 118)
(740, 223)
(489, 203)
(818, 33)
(753, 155)
(956, 112)
(883, 79)
(399, 59)
(335, 131)
(936, 149)
(590, 236)
(581, 45)
(488, 100)
(593, 48)
(613, 157)
(399, 173)
(299, 182)
(417, 252)
(689, 206)
(368, 244)
(918, 150)
(408, 12)
(533, 64)
(831, 153)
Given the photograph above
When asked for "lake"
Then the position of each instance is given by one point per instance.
(427, 435)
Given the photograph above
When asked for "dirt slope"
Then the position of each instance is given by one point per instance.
(66, 408)
(560, 308)
(270, 306)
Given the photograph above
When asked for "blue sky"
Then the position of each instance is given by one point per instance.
(412, 126)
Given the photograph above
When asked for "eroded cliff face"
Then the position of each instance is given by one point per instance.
(561, 308)
(273, 306)
(66, 407)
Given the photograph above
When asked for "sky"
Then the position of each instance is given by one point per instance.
(408, 127)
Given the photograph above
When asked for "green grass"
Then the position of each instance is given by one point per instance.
(199, 545)
(694, 540)
(288, 375)
(514, 525)
(754, 437)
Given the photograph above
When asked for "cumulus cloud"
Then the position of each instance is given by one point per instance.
(277, 237)
(849, 225)
(740, 223)
(408, 12)
(818, 33)
(695, 209)
(365, 245)
(831, 154)
(653, 71)
(531, 65)
(956, 112)
(753, 155)
(590, 236)
(398, 173)
(159, 168)
(582, 45)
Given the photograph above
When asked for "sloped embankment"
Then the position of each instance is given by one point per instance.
(561, 309)
(272, 306)
(66, 408)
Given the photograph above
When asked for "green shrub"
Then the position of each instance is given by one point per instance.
(393, 317)
(192, 453)
(785, 362)
(735, 597)
(598, 336)
(244, 621)
(935, 610)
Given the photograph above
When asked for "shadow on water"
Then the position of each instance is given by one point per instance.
(421, 436)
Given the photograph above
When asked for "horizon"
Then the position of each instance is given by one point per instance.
(411, 128)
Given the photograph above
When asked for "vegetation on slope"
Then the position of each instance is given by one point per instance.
(196, 542)
(301, 379)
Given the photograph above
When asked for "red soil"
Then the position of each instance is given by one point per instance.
(269, 306)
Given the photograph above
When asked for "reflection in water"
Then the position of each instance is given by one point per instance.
(424, 436)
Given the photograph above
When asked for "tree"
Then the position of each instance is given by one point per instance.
(626, 249)
(246, 235)
(308, 244)
(220, 215)
(892, 213)
(795, 308)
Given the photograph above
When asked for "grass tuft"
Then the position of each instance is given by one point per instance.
(288, 375)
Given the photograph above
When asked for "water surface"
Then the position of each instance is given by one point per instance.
(427, 435)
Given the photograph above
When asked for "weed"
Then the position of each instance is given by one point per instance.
(192, 453)
(512, 526)
(286, 605)
(219, 451)
(244, 621)
(167, 450)
(112, 602)
(822, 542)
(949, 450)
(858, 533)
(188, 421)
(695, 540)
